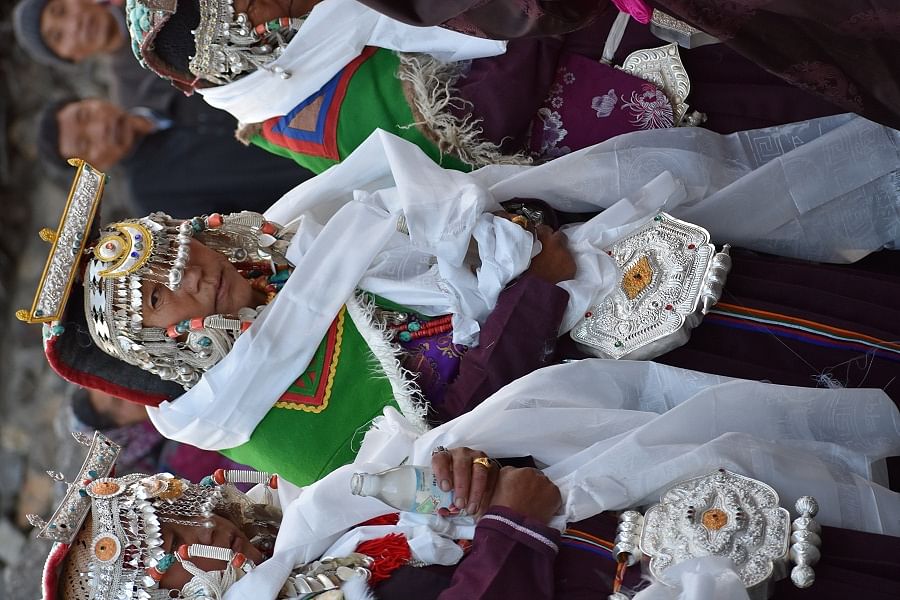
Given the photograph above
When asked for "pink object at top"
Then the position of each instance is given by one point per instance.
(636, 8)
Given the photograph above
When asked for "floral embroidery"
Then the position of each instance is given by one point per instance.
(605, 104)
(553, 132)
(650, 108)
(556, 152)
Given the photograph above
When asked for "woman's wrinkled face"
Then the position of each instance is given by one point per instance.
(79, 29)
(223, 534)
(210, 286)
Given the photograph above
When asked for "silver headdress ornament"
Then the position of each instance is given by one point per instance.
(227, 45)
(118, 554)
(154, 248)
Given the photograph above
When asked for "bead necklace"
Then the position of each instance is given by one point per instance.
(263, 280)
(415, 328)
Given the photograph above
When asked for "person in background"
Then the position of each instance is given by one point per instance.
(63, 33)
(143, 448)
(182, 161)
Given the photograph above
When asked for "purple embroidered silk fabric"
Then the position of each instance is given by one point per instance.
(579, 112)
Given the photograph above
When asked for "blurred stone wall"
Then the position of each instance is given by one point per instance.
(33, 429)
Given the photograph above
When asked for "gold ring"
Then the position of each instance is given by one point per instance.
(483, 461)
(521, 221)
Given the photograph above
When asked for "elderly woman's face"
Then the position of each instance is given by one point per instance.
(210, 286)
(78, 29)
(223, 534)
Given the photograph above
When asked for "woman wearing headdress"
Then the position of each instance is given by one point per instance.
(537, 534)
(290, 386)
(311, 85)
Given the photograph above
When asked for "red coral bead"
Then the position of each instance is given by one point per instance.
(219, 476)
(268, 228)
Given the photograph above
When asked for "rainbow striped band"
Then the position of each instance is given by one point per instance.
(804, 330)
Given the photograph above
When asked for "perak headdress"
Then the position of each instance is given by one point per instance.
(108, 530)
(226, 45)
(154, 248)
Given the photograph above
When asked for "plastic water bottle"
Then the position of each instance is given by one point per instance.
(407, 488)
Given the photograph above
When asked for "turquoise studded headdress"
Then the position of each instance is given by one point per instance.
(226, 45)
(153, 248)
(109, 528)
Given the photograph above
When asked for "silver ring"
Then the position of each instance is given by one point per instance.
(438, 450)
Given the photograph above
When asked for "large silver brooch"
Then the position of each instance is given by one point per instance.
(670, 276)
(729, 515)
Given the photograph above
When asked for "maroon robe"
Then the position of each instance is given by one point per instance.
(510, 558)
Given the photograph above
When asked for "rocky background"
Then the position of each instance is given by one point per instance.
(34, 434)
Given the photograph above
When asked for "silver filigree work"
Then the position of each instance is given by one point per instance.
(671, 275)
(68, 244)
(67, 520)
(722, 514)
(662, 67)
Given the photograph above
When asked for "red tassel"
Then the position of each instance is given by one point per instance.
(389, 552)
(388, 519)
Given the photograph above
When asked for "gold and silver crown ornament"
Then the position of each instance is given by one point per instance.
(729, 515)
(67, 245)
(124, 559)
(153, 248)
(671, 277)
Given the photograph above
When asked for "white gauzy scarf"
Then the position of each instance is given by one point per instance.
(614, 435)
(335, 33)
(779, 190)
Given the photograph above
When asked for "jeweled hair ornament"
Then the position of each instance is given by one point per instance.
(118, 553)
(67, 245)
(155, 248)
(227, 45)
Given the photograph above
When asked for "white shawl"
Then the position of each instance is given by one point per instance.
(335, 33)
(615, 435)
(825, 189)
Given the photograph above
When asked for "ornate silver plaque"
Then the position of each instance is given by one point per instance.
(721, 514)
(671, 275)
(663, 67)
(729, 515)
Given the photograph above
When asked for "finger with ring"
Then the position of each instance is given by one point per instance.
(483, 461)
(438, 450)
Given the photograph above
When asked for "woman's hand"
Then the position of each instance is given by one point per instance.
(528, 492)
(472, 482)
(555, 263)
